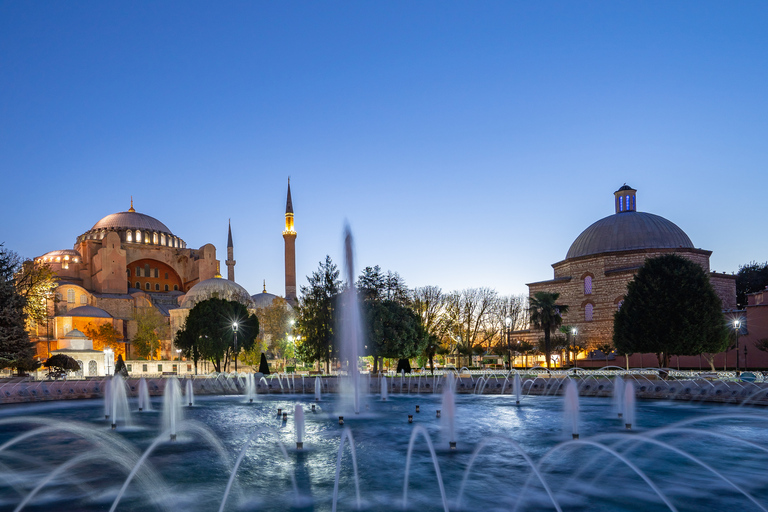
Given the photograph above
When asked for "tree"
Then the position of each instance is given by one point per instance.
(545, 314)
(670, 309)
(467, 312)
(208, 333)
(274, 327)
(151, 327)
(429, 303)
(120, 368)
(105, 335)
(317, 314)
(15, 348)
(752, 277)
(35, 281)
(61, 364)
(393, 331)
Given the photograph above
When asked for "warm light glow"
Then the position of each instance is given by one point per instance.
(507, 321)
(574, 331)
(234, 326)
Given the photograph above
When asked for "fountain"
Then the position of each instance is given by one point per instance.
(517, 386)
(190, 393)
(571, 408)
(618, 396)
(145, 404)
(629, 405)
(172, 411)
(351, 331)
(250, 387)
(298, 423)
(318, 388)
(119, 411)
(384, 389)
(448, 417)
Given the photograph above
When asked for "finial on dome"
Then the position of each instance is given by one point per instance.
(218, 270)
(265, 287)
(131, 208)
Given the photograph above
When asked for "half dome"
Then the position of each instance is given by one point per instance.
(88, 312)
(627, 231)
(218, 288)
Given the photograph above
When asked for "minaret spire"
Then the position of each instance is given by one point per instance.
(289, 235)
(230, 255)
(131, 208)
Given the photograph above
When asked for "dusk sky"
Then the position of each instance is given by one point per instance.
(466, 143)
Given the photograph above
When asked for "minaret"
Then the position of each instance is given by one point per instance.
(289, 235)
(230, 256)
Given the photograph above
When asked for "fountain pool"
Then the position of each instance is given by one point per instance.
(65, 455)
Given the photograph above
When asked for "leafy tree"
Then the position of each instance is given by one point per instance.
(35, 281)
(105, 335)
(670, 309)
(15, 348)
(61, 364)
(151, 328)
(274, 327)
(606, 349)
(545, 314)
(317, 314)
(752, 277)
(393, 331)
(208, 334)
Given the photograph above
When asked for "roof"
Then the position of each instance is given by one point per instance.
(61, 253)
(219, 288)
(626, 231)
(88, 311)
(288, 202)
(131, 220)
(625, 187)
(74, 333)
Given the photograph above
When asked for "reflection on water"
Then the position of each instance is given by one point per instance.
(713, 459)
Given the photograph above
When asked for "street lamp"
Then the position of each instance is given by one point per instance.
(178, 354)
(108, 360)
(234, 329)
(574, 332)
(736, 327)
(508, 322)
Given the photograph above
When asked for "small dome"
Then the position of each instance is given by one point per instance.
(88, 311)
(131, 220)
(265, 299)
(219, 288)
(51, 256)
(625, 187)
(627, 231)
(74, 334)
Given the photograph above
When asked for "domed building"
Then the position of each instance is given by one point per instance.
(214, 288)
(592, 279)
(127, 260)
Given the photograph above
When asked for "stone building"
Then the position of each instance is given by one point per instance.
(592, 279)
(128, 261)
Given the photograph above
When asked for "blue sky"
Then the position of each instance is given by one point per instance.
(466, 143)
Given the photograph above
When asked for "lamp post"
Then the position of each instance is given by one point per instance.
(736, 327)
(108, 360)
(234, 330)
(574, 332)
(508, 322)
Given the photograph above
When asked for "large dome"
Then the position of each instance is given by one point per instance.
(219, 288)
(131, 220)
(626, 231)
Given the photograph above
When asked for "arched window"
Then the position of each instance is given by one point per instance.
(138, 285)
(175, 287)
(588, 310)
(93, 368)
(588, 285)
(83, 299)
(128, 272)
(129, 236)
(166, 287)
(146, 286)
(71, 296)
(79, 372)
(154, 238)
(162, 239)
(157, 287)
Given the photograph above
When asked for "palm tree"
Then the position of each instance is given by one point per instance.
(545, 314)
